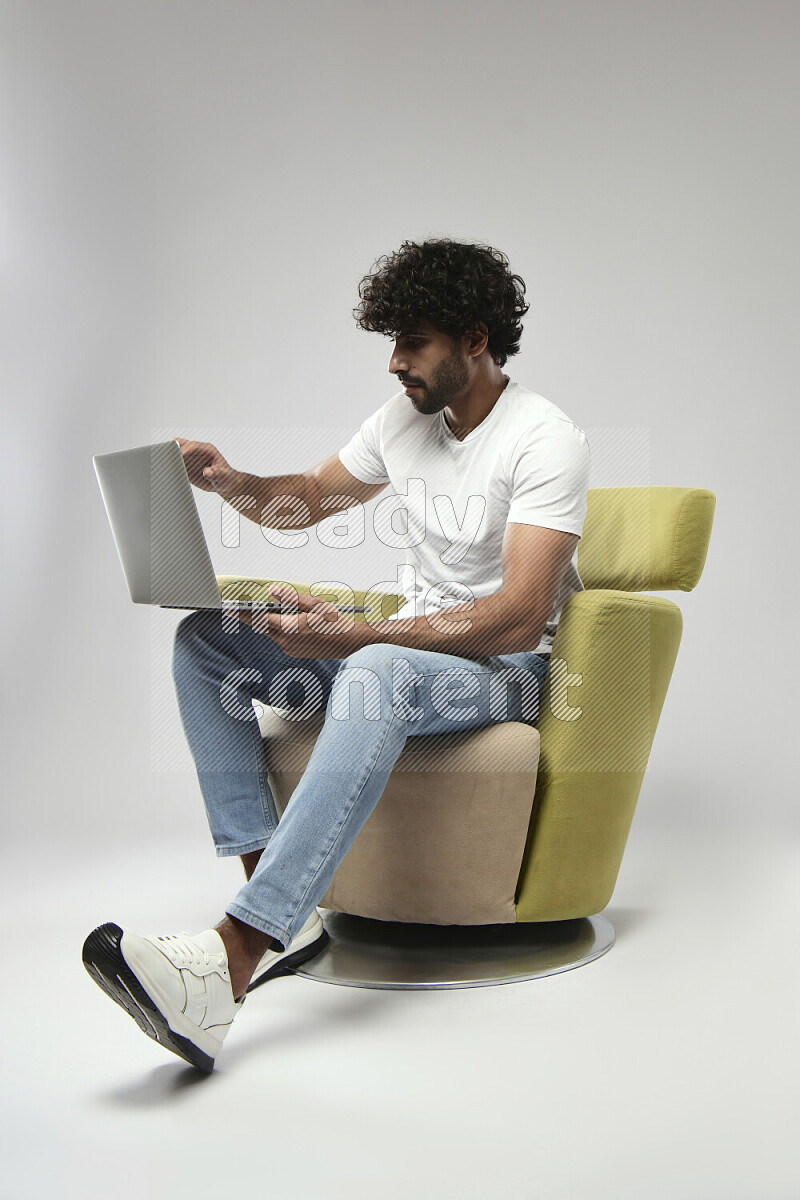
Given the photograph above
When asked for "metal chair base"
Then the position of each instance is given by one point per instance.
(395, 955)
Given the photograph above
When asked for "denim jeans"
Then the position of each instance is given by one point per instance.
(373, 700)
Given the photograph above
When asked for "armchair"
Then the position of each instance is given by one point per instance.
(492, 852)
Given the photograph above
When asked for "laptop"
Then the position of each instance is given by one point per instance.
(158, 534)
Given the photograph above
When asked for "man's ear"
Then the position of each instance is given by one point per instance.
(477, 339)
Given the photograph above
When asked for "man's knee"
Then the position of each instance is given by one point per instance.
(378, 657)
(195, 622)
(193, 629)
(371, 669)
(199, 635)
(187, 633)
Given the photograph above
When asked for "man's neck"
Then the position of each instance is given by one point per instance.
(467, 413)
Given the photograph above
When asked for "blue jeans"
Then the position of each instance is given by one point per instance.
(373, 700)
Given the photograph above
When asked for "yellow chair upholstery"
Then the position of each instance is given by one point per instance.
(645, 539)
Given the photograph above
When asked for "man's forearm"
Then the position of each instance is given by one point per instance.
(277, 501)
(488, 626)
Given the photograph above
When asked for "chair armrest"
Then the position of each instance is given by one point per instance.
(611, 665)
(247, 587)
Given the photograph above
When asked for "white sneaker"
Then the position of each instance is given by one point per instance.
(307, 942)
(177, 987)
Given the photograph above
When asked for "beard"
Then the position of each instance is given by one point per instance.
(449, 380)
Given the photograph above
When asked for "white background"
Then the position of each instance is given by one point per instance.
(190, 194)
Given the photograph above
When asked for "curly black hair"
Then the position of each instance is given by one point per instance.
(454, 285)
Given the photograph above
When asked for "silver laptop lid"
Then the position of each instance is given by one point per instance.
(156, 527)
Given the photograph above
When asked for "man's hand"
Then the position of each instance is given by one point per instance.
(205, 466)
(318, 630)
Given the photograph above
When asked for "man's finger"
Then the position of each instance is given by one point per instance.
(326, 618)
(290, 597)
(261, 621)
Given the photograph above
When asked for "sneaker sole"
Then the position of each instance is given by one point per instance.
(285, 966)
(105, 962)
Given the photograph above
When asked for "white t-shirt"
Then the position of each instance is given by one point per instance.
(526, 462)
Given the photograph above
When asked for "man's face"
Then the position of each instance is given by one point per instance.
(432, 367)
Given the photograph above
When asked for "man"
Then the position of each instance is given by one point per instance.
(495, 478)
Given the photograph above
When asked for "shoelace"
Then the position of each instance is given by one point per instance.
(183, 951)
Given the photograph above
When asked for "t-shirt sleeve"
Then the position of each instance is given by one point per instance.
(363, 454)
(549, 477)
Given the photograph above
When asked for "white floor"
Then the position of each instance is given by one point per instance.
(667, 1068)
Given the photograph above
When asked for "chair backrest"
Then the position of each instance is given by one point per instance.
(612, 661)
(645, 539)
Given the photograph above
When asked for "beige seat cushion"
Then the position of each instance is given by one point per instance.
(444, 844)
